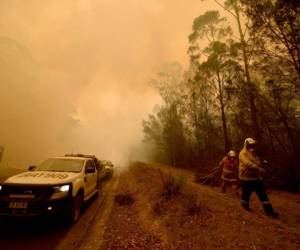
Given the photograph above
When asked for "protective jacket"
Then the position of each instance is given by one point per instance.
(249, 166)
(229, 169)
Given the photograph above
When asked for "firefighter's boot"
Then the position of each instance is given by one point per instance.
(246, 207)
(270, 211)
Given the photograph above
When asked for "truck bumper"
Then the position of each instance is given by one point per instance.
(35, 208)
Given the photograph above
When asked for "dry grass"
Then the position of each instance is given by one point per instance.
(184, 215)
(126, 191)
(172, 185)
(124, 228)
(192, 205)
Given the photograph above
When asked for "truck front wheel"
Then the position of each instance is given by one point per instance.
(76, 208)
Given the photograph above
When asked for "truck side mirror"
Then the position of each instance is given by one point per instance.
(31, 168)
(90, 170)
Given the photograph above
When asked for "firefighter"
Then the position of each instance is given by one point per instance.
(251, 177)
(229, 168)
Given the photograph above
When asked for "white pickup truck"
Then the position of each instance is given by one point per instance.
(58, 184)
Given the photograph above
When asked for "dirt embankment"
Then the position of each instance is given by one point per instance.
(168, 212)
(124, 228)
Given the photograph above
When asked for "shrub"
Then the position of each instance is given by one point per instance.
(124, 199)
(192, 203)
(125, 195)
(172, 185)
(159, 208)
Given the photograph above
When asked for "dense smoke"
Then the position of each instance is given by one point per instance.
(74, 73)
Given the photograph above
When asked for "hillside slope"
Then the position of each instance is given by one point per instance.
(198, 217)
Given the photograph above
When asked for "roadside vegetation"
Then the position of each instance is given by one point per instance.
(172, 185)
(243, 81)
(194, 216)
(126, 191)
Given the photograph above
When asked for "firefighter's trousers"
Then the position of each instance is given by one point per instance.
(253, 186)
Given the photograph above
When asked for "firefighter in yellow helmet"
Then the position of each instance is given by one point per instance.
(250, 174)
(229, 168)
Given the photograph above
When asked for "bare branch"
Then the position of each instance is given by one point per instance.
(247, 28)
(228, 10)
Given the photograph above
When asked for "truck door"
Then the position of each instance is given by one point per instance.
(90, 177)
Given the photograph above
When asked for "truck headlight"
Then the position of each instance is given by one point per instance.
(60, 191)
(64, 188)
(0, 188)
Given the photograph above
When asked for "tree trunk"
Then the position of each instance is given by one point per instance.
(289, 132)
(197, 125)
(250, 87)
(223, 115)
(284, 120)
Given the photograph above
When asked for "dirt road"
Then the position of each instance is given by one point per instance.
(52, 233)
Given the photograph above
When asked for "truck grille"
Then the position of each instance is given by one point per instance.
(26, 192)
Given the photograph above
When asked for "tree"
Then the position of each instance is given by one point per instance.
(275, 32)
(234, 89)
(278, 23)
(165, 129)
(234, 8)
(213, 29)
(199, 110)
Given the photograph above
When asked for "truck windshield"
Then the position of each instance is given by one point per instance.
(61, 165)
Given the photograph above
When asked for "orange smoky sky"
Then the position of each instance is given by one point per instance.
(74, 74)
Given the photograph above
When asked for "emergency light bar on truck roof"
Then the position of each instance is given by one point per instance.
(93, 157)
(80, 155)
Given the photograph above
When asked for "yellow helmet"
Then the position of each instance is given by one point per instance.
(249, 141)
